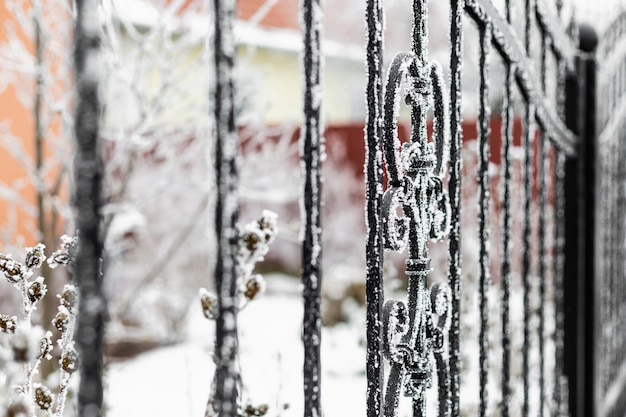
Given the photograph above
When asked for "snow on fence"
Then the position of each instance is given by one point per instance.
(413, 197)
(407, 334)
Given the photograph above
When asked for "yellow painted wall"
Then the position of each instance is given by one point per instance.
(277, 78)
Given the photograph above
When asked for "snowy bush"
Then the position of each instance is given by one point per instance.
(25, 345)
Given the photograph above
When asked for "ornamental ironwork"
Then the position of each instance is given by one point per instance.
(415, 210)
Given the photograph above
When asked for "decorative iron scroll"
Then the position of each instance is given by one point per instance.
(415, 209)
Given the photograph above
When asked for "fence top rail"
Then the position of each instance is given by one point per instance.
(560, 42)
(483, 12)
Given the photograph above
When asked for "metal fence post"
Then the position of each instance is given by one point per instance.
(89, 335)
(578, 271)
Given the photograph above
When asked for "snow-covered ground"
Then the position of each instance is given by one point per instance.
(175, 380)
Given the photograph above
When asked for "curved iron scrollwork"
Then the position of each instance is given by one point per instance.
(415, 210)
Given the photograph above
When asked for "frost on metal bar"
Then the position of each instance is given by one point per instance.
(454, 190)
(226, 212)
(507, 139)
(543, 194)
(529, 134)
(508, 46)
(560, 43)
(374, 196)
(311, 162)
(561, 389)
(87, 203)
(483, 213)
(414, 210)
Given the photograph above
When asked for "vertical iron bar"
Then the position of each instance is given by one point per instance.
(311, 162)
(419, 46)
(483, 226)
(419, 40)
(507, 137)
(89, 334)
(560, 383)
(543, 147)
(529, 134)
(226, 212)
(560, 387)
(374, 196)
(454, 191)
(506, 250)
(579, 287)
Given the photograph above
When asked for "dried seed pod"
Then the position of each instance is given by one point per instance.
(14, 271)
(57, 258)
(69, 297)
(268, 224)
(65, 255)
(250, 241)
(8, 324)
(43, 396)
(69, 359)
(20, 407)
(37, 290)
(253, 411)
(35, 256)
(61, 320)
(46, 346)
(209, 304)
(254, 286)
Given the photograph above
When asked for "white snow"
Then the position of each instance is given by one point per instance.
(175, 380)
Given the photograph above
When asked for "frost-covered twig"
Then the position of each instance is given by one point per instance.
(253, 244)
(254, 240)
(65, 321)
(25, 346)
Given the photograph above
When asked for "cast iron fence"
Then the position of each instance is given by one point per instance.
(421, 201)
(546, 140)
(610, 251)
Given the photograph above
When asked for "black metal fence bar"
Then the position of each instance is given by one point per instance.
(311, 162)
(529, 134)
(528, 146)
(226, 212)
(505, 272)
(87, 201)
(507, 44)
(454, 191)
(543, 155)
(483, 215)
(559, 42)
(373, 177)
(560, 382)
(542, 254)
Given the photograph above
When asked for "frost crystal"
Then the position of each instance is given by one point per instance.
(46, 346)
(12, 270)
(37, 289)
(66, 254)
(8, 324)
(69, 359)
(209, 303)
(43, 396)
(35, 256)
